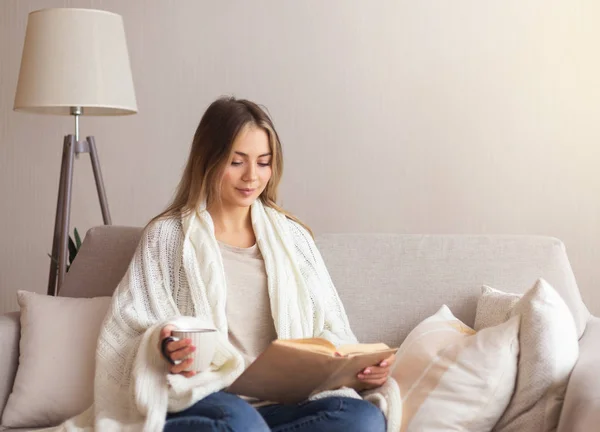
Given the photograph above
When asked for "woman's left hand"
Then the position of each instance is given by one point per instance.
(375, 376)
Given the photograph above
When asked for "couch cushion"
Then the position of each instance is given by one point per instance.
(549, 350)
(55, 377)
(453, 379)
(493, 307)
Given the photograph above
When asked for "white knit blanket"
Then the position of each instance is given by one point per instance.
(177, 276)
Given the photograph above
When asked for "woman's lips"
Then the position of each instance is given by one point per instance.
(246, 192)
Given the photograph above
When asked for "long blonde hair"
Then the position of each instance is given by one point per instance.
(211, 150)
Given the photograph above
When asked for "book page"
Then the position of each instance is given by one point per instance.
(285, 374)
(317, 345)
(362, 348)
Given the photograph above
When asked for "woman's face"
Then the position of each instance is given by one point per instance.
(249, 171)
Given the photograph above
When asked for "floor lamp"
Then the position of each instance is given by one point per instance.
(75, 62)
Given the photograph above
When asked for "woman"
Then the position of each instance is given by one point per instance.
(223, 254)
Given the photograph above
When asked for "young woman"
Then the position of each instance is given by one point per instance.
(226, 255)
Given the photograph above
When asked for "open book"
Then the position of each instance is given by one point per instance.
(290, 370)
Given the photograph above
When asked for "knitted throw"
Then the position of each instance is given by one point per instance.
(176, 276)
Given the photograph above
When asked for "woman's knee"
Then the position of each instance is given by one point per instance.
(222, 409)
(359, 415)
(239, 415)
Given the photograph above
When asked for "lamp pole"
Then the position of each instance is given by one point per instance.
(72, 147)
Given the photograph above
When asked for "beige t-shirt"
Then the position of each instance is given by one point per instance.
(248, 307)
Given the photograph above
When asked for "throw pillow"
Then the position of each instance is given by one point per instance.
(493, 307)
(549, 349)
(453, 379)
(57, 349)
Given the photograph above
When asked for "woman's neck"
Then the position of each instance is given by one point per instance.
(233, 226)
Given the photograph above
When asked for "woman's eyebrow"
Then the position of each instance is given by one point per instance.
(245, 155)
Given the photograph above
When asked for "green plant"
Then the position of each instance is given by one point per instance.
(74, 246)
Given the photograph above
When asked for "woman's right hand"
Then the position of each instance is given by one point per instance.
(177, 350)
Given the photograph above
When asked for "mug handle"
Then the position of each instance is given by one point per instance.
(163, 349)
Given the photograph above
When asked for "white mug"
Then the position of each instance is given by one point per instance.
(205, 341)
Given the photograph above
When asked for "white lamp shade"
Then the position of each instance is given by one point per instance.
(75, 58)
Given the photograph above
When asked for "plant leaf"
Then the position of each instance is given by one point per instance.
(72, 251)
(77, 239)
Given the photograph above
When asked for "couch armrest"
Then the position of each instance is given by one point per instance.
(10, 331)
(581, 408)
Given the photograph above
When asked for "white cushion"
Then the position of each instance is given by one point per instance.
(549, 351)
(493, 307)
(57, 348)
(453, 379)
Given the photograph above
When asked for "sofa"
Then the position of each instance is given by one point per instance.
(388, 284)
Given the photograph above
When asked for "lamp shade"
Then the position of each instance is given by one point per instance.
(75, 58)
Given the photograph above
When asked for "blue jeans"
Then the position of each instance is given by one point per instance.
(223, 411)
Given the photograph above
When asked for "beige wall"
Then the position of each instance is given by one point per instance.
(432, 116)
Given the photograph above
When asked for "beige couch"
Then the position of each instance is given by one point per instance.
(388, 283)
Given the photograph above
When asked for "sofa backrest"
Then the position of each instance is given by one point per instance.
(101, 262)
(388, 283)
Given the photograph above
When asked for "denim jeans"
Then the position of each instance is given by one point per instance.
(223, 411)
